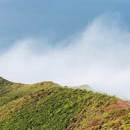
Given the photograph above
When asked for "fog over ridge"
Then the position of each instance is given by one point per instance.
(99, 56)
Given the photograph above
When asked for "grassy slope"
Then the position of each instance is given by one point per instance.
(47, 106)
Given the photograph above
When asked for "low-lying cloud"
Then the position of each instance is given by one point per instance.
(99, 56)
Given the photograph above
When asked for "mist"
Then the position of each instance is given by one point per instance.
(98, 55)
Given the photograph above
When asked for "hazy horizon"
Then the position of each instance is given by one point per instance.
(70, 48)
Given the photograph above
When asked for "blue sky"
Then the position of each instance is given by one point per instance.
(70, 42)
(59, 18)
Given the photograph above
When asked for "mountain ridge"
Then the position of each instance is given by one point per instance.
(49, 106)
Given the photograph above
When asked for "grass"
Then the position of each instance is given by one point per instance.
(48, 106)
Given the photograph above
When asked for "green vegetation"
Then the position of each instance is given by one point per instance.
(48, 106)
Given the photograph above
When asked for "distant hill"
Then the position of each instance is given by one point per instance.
(85, 86)
(49, 106)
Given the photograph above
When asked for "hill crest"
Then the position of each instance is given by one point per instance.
(49, 106)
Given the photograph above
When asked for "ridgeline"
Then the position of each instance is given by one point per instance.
(49, 106)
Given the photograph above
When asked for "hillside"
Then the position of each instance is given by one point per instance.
(49, 106)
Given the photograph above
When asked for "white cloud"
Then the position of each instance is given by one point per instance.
(98, 56)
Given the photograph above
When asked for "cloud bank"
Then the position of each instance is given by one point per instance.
(99, 56)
